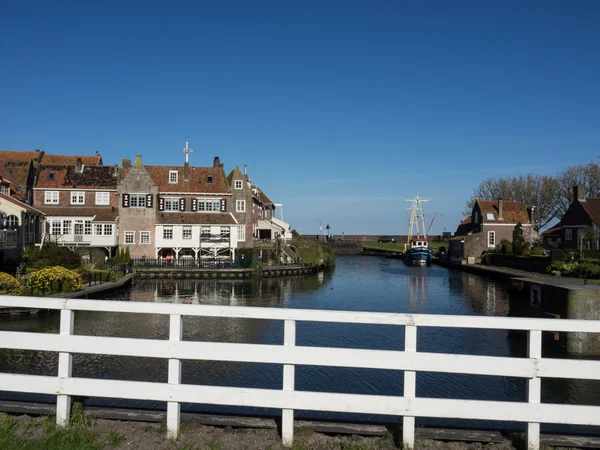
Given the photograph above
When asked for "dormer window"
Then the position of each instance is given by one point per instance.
(209, 179)
(238, 184)
(490, 216)
(173, 176)
(51, 176)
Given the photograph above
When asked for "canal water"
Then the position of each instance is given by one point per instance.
(357, 283)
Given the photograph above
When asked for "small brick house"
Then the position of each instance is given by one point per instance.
(490, 222)
(583, 211)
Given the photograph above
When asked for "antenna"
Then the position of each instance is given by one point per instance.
(187, 150)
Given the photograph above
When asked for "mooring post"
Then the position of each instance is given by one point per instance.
(410, 387)
(174, 408)
(65, 367)
(287, 415)
(534, 387)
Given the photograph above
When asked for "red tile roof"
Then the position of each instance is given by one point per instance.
(261, 196)
(102, 214)
(591, 206)
(512, 212)
(23, 156)
(92, 177)
(95, 160)
(194, 218)
(465, 226)
(25, 206)
(197, 180)
(19, 171)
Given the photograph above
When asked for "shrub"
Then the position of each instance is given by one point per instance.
(518, 240)
(537, 251)
(127, 257)
(586, 270)
(9, 285)
(506, 247)
(54, 255)
(56, 279)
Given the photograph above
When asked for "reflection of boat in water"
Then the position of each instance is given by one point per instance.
(416, 250)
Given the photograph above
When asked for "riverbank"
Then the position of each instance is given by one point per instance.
(88, 433)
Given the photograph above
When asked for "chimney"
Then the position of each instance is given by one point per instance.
(217, 162)
(138, 160)
(500, 209)
(245, 169)
(116, 171)
(579, 193)
(126, 163)
(79, 165)
(186, 171)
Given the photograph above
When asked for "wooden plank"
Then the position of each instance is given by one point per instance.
(570, 441)
(444, 434)
(277, 354)
(342, 428)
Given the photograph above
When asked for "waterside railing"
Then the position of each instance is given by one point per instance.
(533, 368)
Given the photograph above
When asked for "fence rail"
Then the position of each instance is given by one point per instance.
(189, 263)
(533, 368)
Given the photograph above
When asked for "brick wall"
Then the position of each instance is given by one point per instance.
(138, 181)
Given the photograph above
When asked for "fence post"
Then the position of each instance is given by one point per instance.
(174, 408)
(410, 387)
(534, 387)
(65, 365)
(287, 415)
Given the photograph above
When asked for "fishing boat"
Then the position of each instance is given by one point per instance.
(416, 250)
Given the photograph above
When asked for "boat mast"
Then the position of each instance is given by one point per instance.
(416, 216)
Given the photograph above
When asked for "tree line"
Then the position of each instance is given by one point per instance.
(550, 196)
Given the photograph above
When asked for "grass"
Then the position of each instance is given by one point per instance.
(358, 446)
(213, 445)
(114, 438)
(75, 437)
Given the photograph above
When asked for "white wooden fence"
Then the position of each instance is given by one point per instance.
(288, 399)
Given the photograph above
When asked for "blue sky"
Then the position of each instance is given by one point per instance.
(341, 109)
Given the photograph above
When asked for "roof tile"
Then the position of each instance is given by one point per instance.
(512, 212)
(197, 180)
(101, 214)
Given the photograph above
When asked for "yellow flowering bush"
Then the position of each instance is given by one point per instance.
(55, 279)
(9, 285)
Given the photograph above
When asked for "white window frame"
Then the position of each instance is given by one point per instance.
(56, 227)
(144, 237)
(129, 237)
(491, 239)
(186, 232)
(137, 200)
(67, 226)
(173, 176)
(568, 234)
(108, 229)
(87, 227)
(51, 197)
(238, 184)
(225, 232)
(98, 228)
(102, 198)
(241, 233)
(171, 204)
(168, 232)
(240, 205)
(205, 231)
(77, 198)
(209, 205)
(490, 216)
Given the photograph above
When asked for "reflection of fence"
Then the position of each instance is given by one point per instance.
(188, 263)
(533, 368)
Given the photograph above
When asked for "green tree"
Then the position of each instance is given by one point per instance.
(589, 236)
(518, 240)
(127, 257)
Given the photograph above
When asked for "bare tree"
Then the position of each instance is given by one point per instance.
(537, 191)
(587, 175)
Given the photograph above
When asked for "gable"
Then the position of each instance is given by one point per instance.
(512, 212)
(576, 215)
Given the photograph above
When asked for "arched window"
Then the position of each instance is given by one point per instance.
(12, 222)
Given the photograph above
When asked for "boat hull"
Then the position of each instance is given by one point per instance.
(418, 257)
